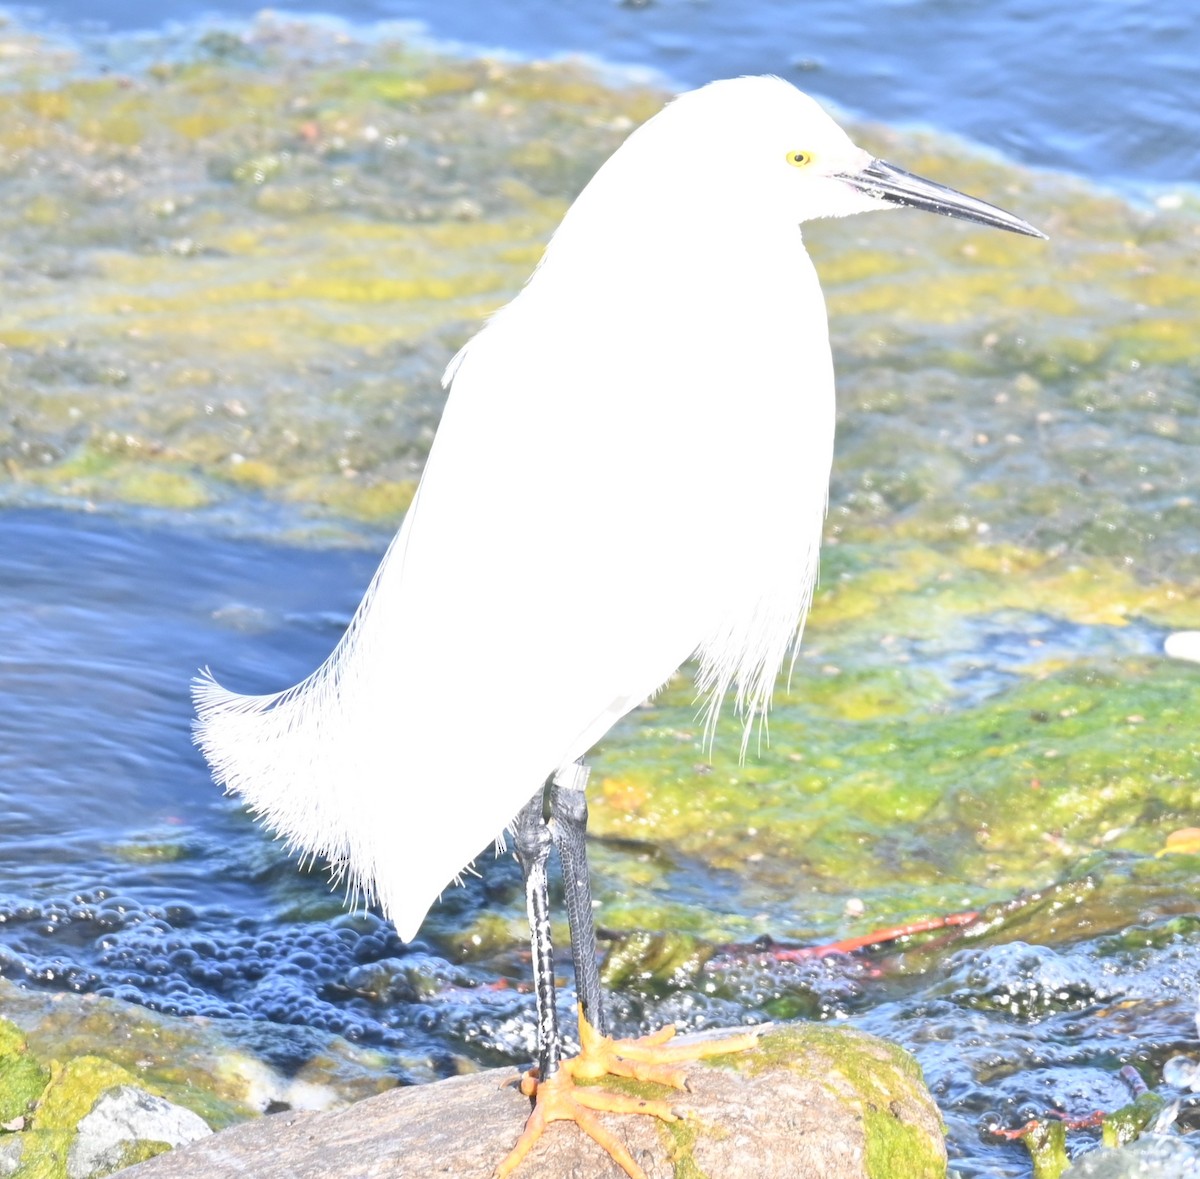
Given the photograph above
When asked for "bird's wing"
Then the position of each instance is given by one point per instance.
(556, 567)
(512, 621)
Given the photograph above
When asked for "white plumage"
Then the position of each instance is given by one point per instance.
(631, 470)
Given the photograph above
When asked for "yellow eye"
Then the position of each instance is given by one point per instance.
(799, 159)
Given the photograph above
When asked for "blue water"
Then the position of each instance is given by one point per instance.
(1104, 89)
(102, 626)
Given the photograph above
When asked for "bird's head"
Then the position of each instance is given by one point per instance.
(759, 145)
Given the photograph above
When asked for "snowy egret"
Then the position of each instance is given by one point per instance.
(631, 471)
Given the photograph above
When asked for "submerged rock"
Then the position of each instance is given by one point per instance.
(808, 1101)
(1155, 1156)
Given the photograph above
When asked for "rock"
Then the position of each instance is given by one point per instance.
(810, 1102)
(1153, 1156)
(1183, 644)
(121, 1118)
(91, 1119)
(227, 1070)
(10, 1154)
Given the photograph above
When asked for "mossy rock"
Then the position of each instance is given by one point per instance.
(74, 1088)
(877, 1080)
(806, 1102)
(22, 1076)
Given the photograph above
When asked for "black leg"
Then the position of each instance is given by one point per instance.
(531, 839)
(568, 824)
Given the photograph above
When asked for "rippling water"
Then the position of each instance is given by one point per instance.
(102, 626)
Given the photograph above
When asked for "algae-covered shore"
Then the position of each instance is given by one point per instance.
(231, 277)
(241, 270)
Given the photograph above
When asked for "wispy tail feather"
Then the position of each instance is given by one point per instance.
(329, 767)
(245, 740)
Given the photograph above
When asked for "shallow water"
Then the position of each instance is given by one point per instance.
(102, 626)
(221, 341)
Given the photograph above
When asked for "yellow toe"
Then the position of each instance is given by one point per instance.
(647, 1058)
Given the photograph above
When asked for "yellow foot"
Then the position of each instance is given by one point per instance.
(559, 1100)
(648, 1058)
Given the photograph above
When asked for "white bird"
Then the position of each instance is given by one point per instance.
(631, 471)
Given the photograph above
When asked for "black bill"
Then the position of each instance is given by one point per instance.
(886, 182)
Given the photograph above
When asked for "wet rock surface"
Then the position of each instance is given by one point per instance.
(806, 1104)
(1156, 1156)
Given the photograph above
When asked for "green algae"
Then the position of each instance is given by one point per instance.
(67, 1097)
(198, 1064)
(896, 1150)
(668, 960)
(22, 1076)
(377, 502)
(682, 1145)
(342, 233)
(74, 1088)
(492, 932)
(1047, 1145)
(12, 1041)
(382, 199)
(151, 851)
(138, 1151)
(922, 809)
(1126, 1124)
